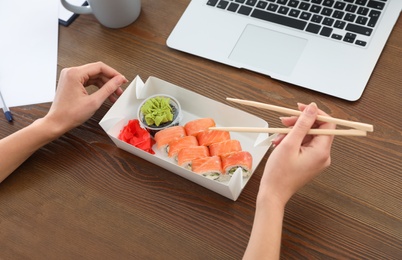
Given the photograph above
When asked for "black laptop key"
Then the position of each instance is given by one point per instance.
(293, 3)
(361, 43)
(359, 29)
(328, 21)
(326, 11)
(251, 2)
(313, 28)
(233, 7)
(244, 10)
(340, 24)
(374, 15)
(349, 17)
(361, 2)
(282, 20)
(262, 4)
(338, 14)
(349, 37)
(316, 18)
(339, 5)
(283, 10)
(362, 10)
(305, 16)
(376, 4)
(326, 31)
(272, 7)
(328, 3)
(294, 13)
(212, 2)
(222, 4)
(304, 6)
(351, 8)
(315, 9)
(361, 20)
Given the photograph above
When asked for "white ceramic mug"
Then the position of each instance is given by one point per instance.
(110, 13)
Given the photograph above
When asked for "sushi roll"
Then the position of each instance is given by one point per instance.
(209, 137)
(198, 125)
(187, 154)
(232, 161)
(225, 147)
(209, 167)
(165, 136)
(178, 144)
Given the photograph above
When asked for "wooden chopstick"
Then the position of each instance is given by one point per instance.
(344, 132)
(352, 124)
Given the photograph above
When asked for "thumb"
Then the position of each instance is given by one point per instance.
(109, 88)
(303, 124)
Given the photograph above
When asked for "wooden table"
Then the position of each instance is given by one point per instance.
(80, 197)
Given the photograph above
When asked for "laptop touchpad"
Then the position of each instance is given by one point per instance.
(268, 50)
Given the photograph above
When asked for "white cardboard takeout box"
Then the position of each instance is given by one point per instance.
(193, 106)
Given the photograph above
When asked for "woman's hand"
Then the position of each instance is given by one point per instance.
(72, 104)
(298, 157)
(71, 107)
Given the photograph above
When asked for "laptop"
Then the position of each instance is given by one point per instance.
(329, 46)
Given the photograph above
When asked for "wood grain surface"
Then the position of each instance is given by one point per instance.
(80, 197)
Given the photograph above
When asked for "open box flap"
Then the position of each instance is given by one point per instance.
(125, 107)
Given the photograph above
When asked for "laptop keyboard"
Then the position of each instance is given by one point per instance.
(350, 21)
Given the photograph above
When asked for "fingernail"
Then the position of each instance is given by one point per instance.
(311, 109)
(120, 80)
(124, 80)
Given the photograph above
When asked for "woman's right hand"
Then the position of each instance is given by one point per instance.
(297, 157)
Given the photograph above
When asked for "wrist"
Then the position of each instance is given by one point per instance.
(49, 129)
(268, 198)
(265, 238)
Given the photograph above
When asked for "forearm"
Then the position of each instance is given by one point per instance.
(16, 148)
(265, 239)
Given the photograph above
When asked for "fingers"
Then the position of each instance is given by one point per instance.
(116, 94)
(291, 121)
(107, 79)
(301, 107)
(325, 141)
(303, 125)
(97, 70)
(109, 88)
(98, 80)
(97, 74)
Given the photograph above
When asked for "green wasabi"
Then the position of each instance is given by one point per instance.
(157, 111)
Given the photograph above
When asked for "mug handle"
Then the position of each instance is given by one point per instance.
(76, 9)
